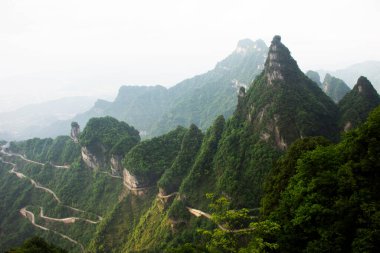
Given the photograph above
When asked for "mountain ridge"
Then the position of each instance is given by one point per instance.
(189, 190)
(155, 110)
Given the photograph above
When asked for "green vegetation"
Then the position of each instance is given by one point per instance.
(201, 178)
(109, 135)
(61, 150)
(331, 204)
(239, 232)
(278, 154)
(155, 110)
(36, 245)
(172, 177)
(241, 163)
(295, 105)
(356, 105)
(118, 226)
(284, 169)
(314, 76)
(77, 187)
(149, 159)
(201, 99)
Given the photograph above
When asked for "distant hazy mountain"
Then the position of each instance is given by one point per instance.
(370, 69)
(156, 110)
(201, 99)
(314, 76)
(334, 87)
(28, 121)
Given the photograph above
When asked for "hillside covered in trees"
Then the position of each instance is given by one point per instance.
(280, 175)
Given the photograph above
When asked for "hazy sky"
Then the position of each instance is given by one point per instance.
(51, 49)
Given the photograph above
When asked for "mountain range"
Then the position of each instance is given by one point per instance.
(350, 74)
(334, 87)
(27, 122)
(277, 175)
(155, 110)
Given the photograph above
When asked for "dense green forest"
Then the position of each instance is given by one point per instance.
(109, 136)
(279, 175)
(36, 245)
(324, 196)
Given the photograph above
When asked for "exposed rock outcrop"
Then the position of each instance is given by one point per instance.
(91, 160)
(276, 103)
(273, 70)
(133, 184)
(116, 165)
(75, 131)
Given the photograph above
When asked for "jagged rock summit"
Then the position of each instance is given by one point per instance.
(279, 63)
(283, 104)
(245, 45)
(365, 88)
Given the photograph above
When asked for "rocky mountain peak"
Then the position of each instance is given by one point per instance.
(75, 131)
(365, 87)
(246, 45)
(277, 101)
(356, 105)
(276, 39)
(279, 64)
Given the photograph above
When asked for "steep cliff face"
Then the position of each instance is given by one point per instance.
(116, 165)
(131, 181)
(94, 161)
(75, 131)
(105, 141)
(147, 161)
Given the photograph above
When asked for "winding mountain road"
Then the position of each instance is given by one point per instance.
(31, 161)
(199, 213)
(39, 186)
(67, 220)
(109, 174)
(30, 215)
(160, 196)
